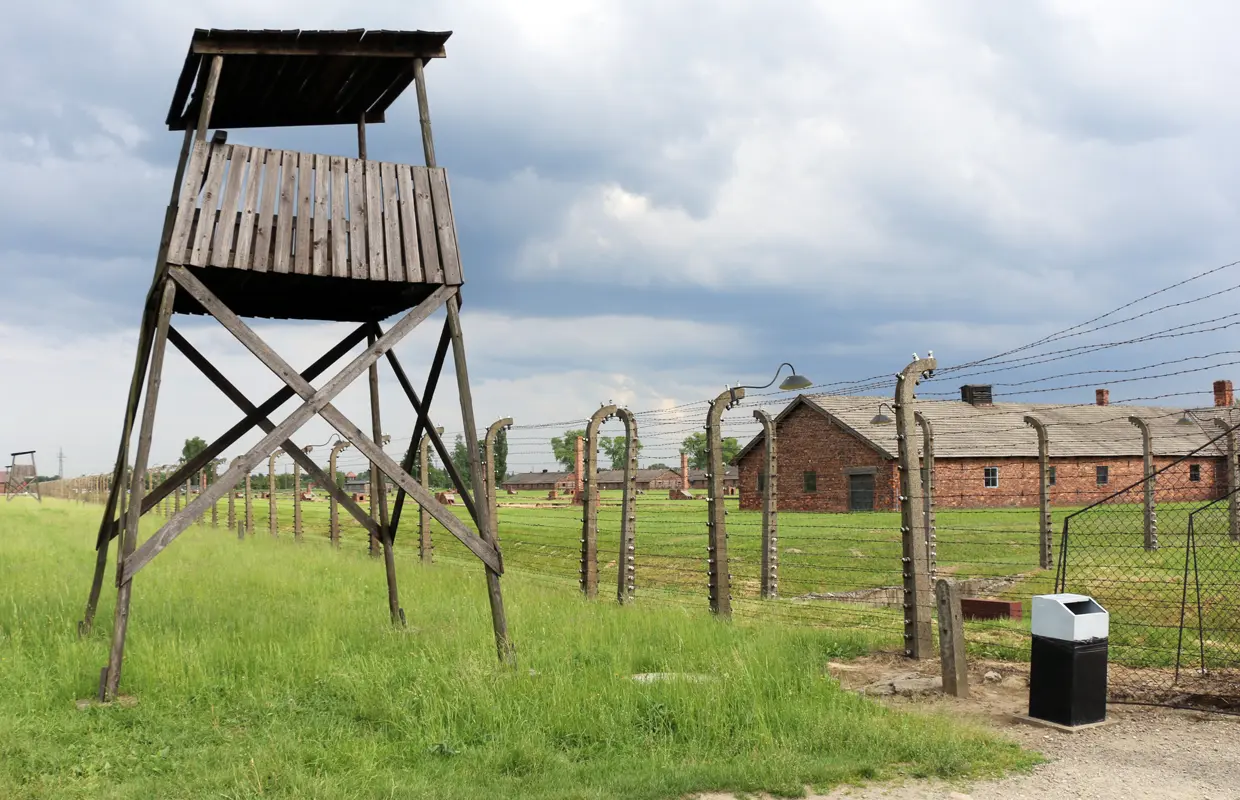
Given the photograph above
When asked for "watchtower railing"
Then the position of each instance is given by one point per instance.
(284, 211)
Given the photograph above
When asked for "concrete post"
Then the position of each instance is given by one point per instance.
(215, 507)
(719, 580)
(249, 505)
(626, 562)
(272, 522)
(918, 635)
(333, 531)
(578, 474)
(296, 501)
(232, 503)
(769, 578)
(684, 472)
(1045, 532)
(1233, 480)
(927, 487)
(588, 481)
(426, 549)
(488, 472)
(951, 640)
(1149, 483)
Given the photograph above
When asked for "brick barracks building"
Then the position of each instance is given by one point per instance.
(832, 457)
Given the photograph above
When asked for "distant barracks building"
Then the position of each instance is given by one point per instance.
(831, 456)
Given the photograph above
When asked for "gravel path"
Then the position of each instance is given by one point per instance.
(1143, 754)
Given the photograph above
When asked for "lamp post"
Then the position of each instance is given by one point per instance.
(719, 581)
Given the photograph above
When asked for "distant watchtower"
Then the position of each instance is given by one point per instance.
(23, 479)
(262, 232)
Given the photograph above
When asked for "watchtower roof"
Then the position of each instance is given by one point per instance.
(283, 78)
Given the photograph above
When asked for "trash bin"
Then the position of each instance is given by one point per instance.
(1068, 659)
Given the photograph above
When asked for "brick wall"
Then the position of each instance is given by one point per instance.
(808, 441)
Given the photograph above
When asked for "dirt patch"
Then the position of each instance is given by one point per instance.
(1145, 753)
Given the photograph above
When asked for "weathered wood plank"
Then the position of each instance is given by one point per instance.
(221, 248)
(358, 255)
(266, 216)
(426, 226)
(391, 224)
(408, 224)
(284, 218)
(320, 257)
(178, 242)
(374, 222)
(249, 208)
(340, 230)
(210, 198)
(305, 214)
(445, 228)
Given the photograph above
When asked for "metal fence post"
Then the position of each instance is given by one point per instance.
(626, 562)
(1045, 531)
(918, 636)
(769, 578)
(719, 580)
(1150, 483)
(589, 506)
(927, 490)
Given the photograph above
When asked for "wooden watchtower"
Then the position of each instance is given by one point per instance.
(23, 478)
(263, 232)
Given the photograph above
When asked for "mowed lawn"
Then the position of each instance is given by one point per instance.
(265, 668)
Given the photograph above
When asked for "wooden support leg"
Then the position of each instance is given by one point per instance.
(378, 489)
(114, 490)
(499, 621)
(134, 510)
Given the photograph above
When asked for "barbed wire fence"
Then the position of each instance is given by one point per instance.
(1019, 499)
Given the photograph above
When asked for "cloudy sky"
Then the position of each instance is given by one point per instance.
(655, 199)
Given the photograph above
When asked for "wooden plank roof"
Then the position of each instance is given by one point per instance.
(279, 78)
(962, 430)
(524, 478)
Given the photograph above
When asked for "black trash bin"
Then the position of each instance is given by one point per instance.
(1068, 659)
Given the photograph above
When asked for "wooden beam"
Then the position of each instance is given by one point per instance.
(423, 422)
(208, 98)
(355, 50)
(319, 402)
(251, 420)
(315, 402)
(437, 440)
(120, 627)
(298, 455)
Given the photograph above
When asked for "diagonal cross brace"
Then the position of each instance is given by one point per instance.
(423, 423)
(313, 404)
(320, 401)
(241, 401)
(279, 398)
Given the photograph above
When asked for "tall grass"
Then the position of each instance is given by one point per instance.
(268, 669)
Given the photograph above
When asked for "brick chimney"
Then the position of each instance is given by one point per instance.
(580, 474)
(684, 471)
(1102, 397)
(1222, 394)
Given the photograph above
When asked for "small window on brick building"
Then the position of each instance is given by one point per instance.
(990, 477)
(1103, 475)
(761, 481)
(1050, 476)
(1194, 472)
(811, 482)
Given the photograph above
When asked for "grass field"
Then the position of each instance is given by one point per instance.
(267, 669)
(843, 570)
